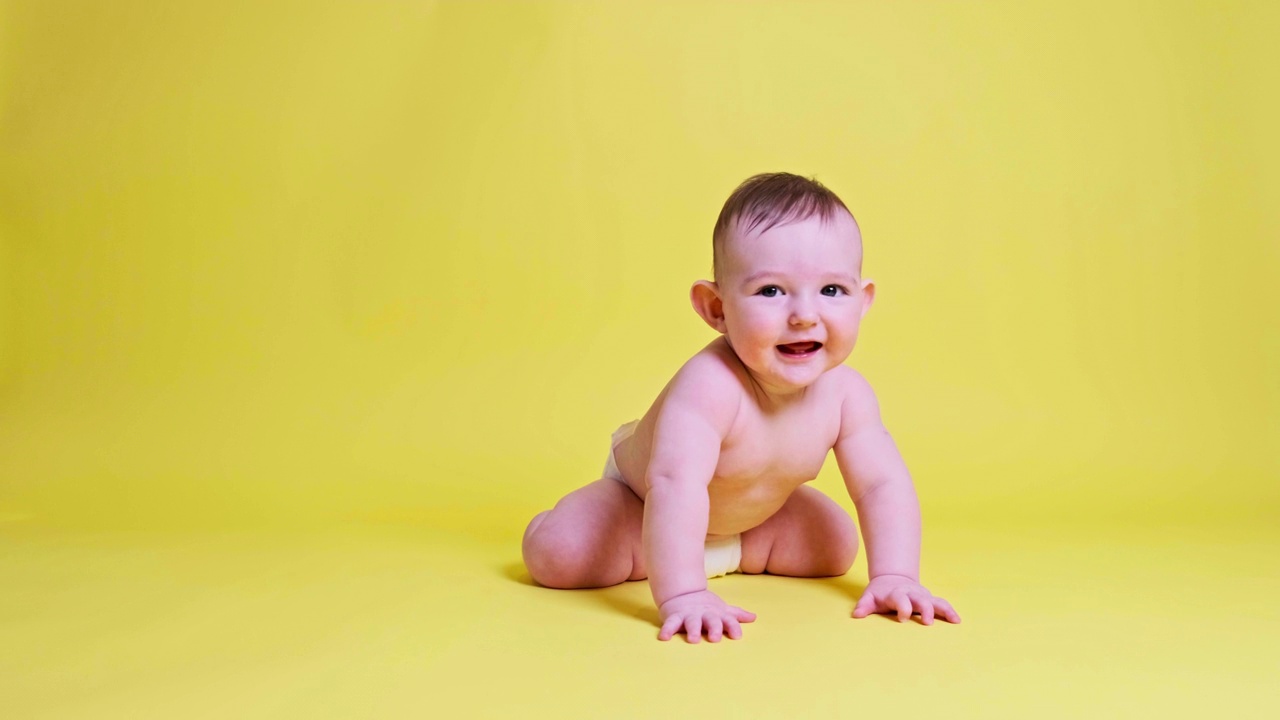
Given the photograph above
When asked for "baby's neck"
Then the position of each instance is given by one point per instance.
(768, 399)
(771, 399)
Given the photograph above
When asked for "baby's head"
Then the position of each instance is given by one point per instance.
(767, 200)
(788, 292)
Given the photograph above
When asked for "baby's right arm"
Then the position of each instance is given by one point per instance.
(693, 417)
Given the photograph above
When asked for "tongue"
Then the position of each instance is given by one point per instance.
(799, 348)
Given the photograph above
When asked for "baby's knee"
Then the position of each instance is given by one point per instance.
(841, 540)
(539, 555)
(845, 545)
(554, 560)
(533, 526)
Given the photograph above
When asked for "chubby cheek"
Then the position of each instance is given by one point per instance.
(844, 338)
(753, 335)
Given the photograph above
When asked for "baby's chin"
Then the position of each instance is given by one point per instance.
(785, 375)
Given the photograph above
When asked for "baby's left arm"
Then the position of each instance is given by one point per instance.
(888, 511)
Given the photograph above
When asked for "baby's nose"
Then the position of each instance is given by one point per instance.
(803, 316)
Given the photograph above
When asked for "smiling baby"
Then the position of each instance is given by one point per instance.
(712, 480)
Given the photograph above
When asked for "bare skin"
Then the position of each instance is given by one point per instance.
(729, 444)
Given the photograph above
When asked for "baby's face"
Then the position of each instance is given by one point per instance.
(793, 299)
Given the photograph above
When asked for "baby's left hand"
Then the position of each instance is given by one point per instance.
(896, 593)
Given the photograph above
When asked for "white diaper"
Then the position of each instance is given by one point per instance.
(721, 555)
(611, 466)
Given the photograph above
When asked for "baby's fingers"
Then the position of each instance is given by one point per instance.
(945, 610)
(732, 628)
(714, 626)
(866, 605)
(742, 615)
(902, 601)
(925, 607)
(693, 629)
(921, 602)
(670, 627)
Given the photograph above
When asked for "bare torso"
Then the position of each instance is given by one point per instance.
(767, 454)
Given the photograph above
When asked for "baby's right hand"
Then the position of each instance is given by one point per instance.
(701, 611)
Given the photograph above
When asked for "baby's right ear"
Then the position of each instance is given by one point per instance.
(706, 302)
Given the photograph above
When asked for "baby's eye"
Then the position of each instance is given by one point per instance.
(834, 290)
(769, 291)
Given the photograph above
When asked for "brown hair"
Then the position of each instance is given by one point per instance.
(770, 199)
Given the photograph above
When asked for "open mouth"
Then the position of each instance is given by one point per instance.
(800, 348)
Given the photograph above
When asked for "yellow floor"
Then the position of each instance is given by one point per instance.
(405, 620)
(307, 307)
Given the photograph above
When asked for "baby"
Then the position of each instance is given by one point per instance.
(712, 479)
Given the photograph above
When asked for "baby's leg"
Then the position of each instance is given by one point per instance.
(591, 538)
(810, 536)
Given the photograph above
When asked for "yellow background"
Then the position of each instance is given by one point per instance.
(306, 308)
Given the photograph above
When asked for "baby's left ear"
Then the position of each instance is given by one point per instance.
(868, 290)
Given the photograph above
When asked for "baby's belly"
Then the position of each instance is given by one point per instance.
(737, 508)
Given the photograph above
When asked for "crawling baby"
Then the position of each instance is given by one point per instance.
(712, 479)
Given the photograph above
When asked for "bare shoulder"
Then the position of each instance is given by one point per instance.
(708, 384)
(859, 408)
